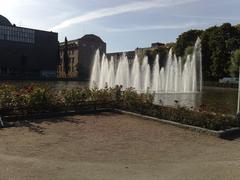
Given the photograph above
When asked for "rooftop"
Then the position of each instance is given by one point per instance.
(4, 21)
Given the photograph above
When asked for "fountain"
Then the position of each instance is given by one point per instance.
(122, 73)
(174, 77)
(136, 74)
(145, 71)
(94, 81)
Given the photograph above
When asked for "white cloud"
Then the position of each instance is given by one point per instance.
(208, 17)
(155, 27)
(121, 9)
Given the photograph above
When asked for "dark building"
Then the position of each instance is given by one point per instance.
(81, 53)
(27, 52)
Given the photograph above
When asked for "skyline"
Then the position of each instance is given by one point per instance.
(123, 25)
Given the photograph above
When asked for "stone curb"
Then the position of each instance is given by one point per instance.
(221, 133)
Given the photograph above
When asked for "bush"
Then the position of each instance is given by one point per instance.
(76, 96)
(40, 99)
(103, 95)
(28, 99)
(132, 101)
(7, 98)
(182, 115)
(36, 99)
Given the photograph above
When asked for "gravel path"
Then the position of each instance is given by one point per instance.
(114, 147)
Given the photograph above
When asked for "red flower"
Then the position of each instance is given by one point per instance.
(29, 88)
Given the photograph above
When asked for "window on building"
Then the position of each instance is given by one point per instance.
(11, 33)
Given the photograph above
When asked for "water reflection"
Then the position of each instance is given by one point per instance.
(183, 99)
(222, 100)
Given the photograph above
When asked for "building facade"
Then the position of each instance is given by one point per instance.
(27, 52)
(73, 55)
(155, 48)
(81, 53)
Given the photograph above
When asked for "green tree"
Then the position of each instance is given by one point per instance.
(235, 62)
(238, 26)
(188, 51)
(206, 52)
(66, 57)
(218, 43)
(58, 55)
(186, 39)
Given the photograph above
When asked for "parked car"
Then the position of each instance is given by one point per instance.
(231, 80)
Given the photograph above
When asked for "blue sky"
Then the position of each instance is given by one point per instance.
(122, 24)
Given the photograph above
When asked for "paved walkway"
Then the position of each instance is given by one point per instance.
(114, 147)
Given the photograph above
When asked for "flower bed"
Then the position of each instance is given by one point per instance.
(206, 120)
(143, 104)
(38, 99)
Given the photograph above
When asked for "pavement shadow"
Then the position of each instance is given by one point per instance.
(232, 135)
(34, 125)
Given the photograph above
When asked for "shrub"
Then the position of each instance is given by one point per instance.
(132, 101)
(28, 99)
(38, 99)
(103, 95)
(182, 115)
(76, 96)
(7, 98)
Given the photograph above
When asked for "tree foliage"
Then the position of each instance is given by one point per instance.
(185, 40)
(58, 55)
(238, 26)
(218, 45)
(66, 57)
